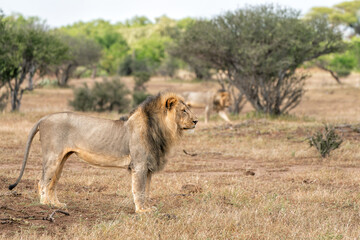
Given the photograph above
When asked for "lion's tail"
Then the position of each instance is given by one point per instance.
(33, 131)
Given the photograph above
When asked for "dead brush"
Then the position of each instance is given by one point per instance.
(325, 141)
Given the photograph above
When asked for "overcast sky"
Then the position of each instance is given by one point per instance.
(64, 12)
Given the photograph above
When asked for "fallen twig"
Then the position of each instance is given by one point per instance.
(7, 208)
(12, 219)
(51, 216)
(191, 154)
(12, 193)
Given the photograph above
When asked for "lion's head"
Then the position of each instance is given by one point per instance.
(178, 113)
(164, 117)
(222, 100)
(166, 113)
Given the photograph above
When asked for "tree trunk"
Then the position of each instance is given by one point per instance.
(31, 75)
(333, 74)
(15, 103)
(238, 105)
(94, 72)
(16, 90)
(64, 76)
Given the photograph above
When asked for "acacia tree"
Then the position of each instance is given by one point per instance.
(114, 46)
(6, 66)
(82, 52)
(28, 47)
(345, 13)
(259, 48)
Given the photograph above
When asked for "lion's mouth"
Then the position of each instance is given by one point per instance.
(185, 128)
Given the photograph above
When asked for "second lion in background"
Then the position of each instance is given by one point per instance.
(218, 102)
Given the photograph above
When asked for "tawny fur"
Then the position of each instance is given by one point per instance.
(139, 144)
(211, 101)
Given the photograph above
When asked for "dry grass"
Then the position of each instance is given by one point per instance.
(256, 180)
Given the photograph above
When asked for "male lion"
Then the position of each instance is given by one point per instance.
(139, 144)
(218, 101)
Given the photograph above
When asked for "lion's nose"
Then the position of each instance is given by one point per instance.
(195, 122)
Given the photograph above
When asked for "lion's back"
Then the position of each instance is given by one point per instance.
(198, 99)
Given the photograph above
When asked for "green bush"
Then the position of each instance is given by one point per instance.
(140, 79)
(105, 96)
(48, 83)
(342, 64)
(325, 141)
(111, 95)
(129, 65)
(169, 66)
(83, 99)
(139, 97)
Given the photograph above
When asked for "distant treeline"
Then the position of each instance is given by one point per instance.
(254, 50)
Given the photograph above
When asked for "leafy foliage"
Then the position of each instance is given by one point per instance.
(27, 47)
(340, 64)
(83, 99)
(345, 13)
(136, 45)
(104, 96)
(259, 48)
(140, 79)
(82, 52)
(325, 141)
(131, 65)
(114, 46)
(139, 97)
(140, 94)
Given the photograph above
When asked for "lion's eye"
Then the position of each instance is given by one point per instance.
(184, 110)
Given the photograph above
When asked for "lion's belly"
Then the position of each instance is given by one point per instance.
(103, 160)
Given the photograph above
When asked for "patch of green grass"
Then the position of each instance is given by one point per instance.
(282, 117)
(48, 83)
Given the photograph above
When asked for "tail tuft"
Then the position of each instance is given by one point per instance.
(12, 186)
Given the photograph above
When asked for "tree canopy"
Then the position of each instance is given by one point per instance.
(259, 48)
(345, 13)
(27, 46)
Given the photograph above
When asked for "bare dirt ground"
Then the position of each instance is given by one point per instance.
(254, 179)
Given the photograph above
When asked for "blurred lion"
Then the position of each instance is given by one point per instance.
(217, 101)
(139, 144)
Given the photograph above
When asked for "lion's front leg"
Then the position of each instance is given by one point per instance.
(207, 114)
(148, 181)
(223, 115)
(139, 179)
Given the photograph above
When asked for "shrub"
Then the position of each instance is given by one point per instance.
(168, 67)
(140, 79)
(325, 141)
(83, 99)
(111, 95)
(48, 83)
(139, 97)
(105, 96)
(259, 48)
(130, 64)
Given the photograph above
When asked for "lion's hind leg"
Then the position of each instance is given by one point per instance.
(52, 168)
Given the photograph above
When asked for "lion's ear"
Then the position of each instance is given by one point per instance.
(170, 102)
